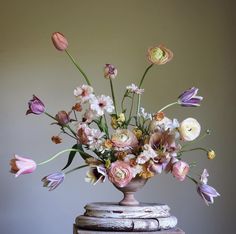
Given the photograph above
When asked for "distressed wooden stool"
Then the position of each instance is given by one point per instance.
(113, 218)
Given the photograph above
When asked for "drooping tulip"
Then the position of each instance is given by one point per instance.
(59, 41)
(189, 98)
(20, 165)
(206, 192)
(52, 181)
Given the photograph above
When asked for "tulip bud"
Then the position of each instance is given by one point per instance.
(36, 106)
(59, 41)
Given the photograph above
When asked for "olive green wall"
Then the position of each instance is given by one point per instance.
(202, 37)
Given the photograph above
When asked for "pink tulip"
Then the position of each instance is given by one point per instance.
(180, 169)
(20, 165)
(59, 41)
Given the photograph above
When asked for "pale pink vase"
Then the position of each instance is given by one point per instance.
(129, 190)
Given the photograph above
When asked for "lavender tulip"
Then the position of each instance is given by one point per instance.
(189, 98)
(53, 180)
(207, 193)
(36, 106)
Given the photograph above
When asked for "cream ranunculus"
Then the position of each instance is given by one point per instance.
(189, 129)
(124, 138)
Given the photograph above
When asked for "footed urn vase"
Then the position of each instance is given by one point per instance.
(129, 190)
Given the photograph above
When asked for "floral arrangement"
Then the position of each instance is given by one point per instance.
(126, 143)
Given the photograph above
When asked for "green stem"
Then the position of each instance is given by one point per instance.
(138, 107)
(81, 71)
(197, 140)
(199, 148)
(191, 178)
(56, 155)
(132, 105)
(171, 104)
(76, 168)
(122, 102)
(66, 125)
(142, 79)
(113, 95)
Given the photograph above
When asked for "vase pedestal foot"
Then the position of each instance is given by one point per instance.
(112, 217)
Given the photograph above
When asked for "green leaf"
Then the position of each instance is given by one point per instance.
(73, 153)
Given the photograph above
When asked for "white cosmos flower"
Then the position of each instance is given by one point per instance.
(84, 93)
(189, 129)
(100, 104)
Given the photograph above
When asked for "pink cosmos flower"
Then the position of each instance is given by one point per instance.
(84, 93)
(134, 89)
(59, 41)
(101, 104)
(120, 173)
(20, 165)
(180, 169)
(124, 138)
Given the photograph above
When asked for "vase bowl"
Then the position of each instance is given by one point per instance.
(129, 190)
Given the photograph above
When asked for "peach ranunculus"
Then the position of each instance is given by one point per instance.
(124, 139)
(180, 169)
(59, 41)
(159, 55)
(20, 165)
(120, 173)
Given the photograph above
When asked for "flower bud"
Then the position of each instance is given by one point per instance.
(110, 72)
(36, 106)
(59, 41)
(211, 154)
(62, 117)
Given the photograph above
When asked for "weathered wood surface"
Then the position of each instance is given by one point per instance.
(172, 231)
(131, 224)
(113, 210)
(112, 217)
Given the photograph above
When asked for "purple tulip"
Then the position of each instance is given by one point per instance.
(36, 106)
(207, 193)
(189, 99)
(53, 180)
